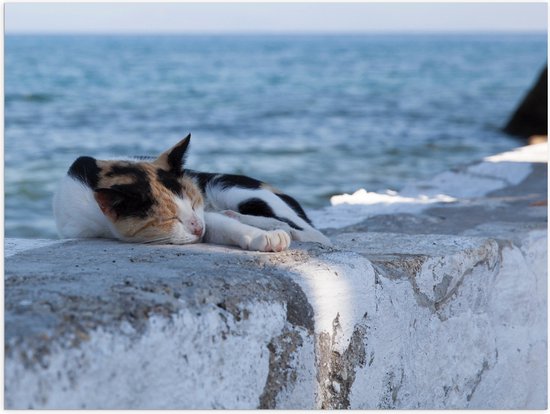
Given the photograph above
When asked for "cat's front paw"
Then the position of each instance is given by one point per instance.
(270, 241)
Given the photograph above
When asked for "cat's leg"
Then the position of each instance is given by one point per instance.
(221, 229)
(265, 203)
(308, 233)
(264, 223)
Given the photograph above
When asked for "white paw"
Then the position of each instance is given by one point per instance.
(270, 241)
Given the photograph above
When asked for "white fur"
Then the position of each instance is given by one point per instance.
(76, 212)
(189, 219)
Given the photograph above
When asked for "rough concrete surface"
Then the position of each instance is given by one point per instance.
(435, 305)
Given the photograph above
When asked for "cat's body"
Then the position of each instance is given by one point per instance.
(158, 201)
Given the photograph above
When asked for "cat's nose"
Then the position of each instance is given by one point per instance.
(195, 227)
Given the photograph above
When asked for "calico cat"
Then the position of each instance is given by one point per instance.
(149, 200)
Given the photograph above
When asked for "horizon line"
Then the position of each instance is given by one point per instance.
(282, 32)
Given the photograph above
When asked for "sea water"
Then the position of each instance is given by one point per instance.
(313, 115)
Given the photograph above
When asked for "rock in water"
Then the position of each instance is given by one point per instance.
(531, 117)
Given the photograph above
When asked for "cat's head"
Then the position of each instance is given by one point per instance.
(146, 202)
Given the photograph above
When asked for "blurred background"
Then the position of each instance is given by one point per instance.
(316, 99)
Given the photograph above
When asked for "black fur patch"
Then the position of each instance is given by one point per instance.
(131, 203)
(85, 170)
(133, 199)
(294, 205)
(201, 179)
(170, 181)
(258, 207)
(241, 181)
(223, 180)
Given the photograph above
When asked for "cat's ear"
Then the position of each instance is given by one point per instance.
(173, 159)
(86, 170)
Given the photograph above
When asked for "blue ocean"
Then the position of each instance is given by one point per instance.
(313, 115)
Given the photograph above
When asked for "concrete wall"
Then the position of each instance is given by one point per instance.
(431, 298)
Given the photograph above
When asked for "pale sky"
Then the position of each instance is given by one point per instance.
(273, 17)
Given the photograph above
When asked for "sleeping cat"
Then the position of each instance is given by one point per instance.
(149, 200)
